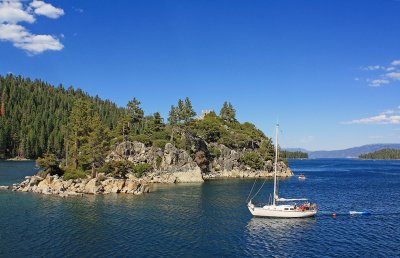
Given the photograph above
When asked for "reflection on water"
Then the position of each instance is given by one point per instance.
(278, 236)
(279, 225)
(209, 219)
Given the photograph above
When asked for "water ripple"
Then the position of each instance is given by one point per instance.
(210, 219)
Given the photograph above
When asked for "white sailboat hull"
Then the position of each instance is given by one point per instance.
(280, 212)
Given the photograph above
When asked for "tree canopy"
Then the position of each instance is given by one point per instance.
(75, 131)
(382, 154)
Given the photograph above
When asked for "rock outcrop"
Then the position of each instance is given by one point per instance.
(101, 185)
(173, 165)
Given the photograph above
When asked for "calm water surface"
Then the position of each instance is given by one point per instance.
(210, 219)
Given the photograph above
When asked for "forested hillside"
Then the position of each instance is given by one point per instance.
(76, 132)
(294, 154)
(382, 154)
(34, 116)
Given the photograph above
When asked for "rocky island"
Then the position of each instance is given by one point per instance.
(170, 165)
(90, 146)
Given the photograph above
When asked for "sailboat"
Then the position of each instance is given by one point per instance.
(278, 208)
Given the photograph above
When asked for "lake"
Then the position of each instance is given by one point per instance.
(210, 219)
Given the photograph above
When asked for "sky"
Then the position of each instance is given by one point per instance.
(328, 71)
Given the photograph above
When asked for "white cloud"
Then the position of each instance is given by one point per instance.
(13, 12)
(12, 32)
(394, 76)
(33, 44)
(392, 73)
(391, 116)
(373, 68)
(356, 79)
(79, 10)
(45, 9)
(36, 44)
(379, 119)
(396, 62)
(378, 82)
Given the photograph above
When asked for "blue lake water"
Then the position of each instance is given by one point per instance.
(210, 219)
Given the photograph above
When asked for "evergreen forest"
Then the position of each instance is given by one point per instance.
(382, 154)
(294, 155)
(71, 128)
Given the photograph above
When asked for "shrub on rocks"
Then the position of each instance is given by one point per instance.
(71, 173)
(50, 164)
(252, 159)
(142, 168)
(118, 168)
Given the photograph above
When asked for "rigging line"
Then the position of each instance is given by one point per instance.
(259, 189)
(247, 200)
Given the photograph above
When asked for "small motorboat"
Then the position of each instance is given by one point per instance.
(302, 177)
(360, 213)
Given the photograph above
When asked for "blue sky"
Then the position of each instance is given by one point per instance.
(328, 71)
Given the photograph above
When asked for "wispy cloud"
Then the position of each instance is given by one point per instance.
(391, 116)
(394, 75)
(378, 82)
(396, 62)
(386, 75)
(79, 10)
(14, 12)
(372, 68)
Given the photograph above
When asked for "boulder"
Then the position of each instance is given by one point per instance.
(191, 176)
(4, 187)
(43, 187)
(112, 185)
(130, 186)
(34, 180)
(57, 185)
(93, 187)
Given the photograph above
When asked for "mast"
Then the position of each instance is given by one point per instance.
(276, 162)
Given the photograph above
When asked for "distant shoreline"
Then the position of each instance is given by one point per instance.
(16, 159)
(379, 159)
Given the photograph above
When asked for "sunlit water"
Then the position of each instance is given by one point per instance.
(210, 219)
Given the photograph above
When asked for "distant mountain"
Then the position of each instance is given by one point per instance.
(351, 152)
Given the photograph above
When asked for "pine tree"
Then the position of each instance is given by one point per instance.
(2, 106)
(228, 113)
(78, 130)
(157, 122)
(188, 112)
(137, 115)
(97, 145)
(180, 110)
(173, 116)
